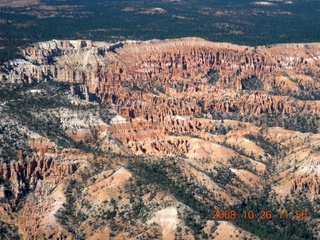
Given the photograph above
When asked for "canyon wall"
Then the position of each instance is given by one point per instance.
(251, 110)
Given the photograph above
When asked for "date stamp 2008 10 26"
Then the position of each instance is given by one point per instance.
(262, 214)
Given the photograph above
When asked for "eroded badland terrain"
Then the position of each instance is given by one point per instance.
(143, 140)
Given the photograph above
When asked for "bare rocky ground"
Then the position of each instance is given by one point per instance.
(144, 140)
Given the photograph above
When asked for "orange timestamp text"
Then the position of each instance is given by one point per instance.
(262, 214)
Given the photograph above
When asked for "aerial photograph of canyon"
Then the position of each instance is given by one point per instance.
(159, 119)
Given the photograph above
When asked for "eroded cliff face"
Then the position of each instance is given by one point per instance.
(181, 69)
(234, 119)
(36, 190)
(168, 60)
